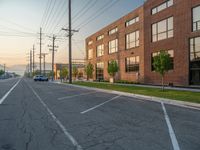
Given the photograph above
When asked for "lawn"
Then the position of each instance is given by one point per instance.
(170, 94)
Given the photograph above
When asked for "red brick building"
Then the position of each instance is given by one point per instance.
(133, 40)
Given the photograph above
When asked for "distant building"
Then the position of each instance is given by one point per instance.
(58, 67)
(133, 41)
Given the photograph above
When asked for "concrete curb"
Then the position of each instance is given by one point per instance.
(143, 97)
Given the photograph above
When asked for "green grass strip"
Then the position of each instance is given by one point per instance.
(170, 94)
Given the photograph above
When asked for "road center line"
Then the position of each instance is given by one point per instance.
(62, 127)
(171, 131)
(67, 97)
(6, 95)
(90, 109)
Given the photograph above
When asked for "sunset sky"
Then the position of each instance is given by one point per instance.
(20, 21)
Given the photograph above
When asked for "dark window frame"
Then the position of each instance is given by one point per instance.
(156, 7)
(132, 42)
(167, 34)
(135, 67)
(192, 24)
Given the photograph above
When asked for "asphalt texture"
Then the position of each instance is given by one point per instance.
(49, 116)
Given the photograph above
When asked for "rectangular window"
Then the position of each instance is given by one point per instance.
(90, 53)
(99, 71)
(162, 30)
(170, 52)
(132, 64)
(90, 42)
(196, 18)
(113, 31)
(195, 49)
(100, 37)
(162, 6)
(113, 46)
(100, 50)
(132, 21)
(132, 40)
(195, 61)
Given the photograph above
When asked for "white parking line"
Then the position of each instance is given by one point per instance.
(66, 97)
(6, 95)
(171, 131)
(62, 127)
(90, 109)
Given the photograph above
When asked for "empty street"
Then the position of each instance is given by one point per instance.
(50, 116)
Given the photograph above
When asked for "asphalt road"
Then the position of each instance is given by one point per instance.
(48, 116)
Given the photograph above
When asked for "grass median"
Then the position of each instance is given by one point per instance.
(170, 94)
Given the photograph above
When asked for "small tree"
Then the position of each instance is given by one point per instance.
(162, 64)
(1, 72)
(63, 73)
(89, 69)
(113, 68)
(75, 71)
(51, 75)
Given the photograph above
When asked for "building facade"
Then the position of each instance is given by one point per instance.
(133, 41)
(80, 67)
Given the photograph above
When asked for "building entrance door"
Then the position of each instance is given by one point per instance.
(195, 76)
(195, 61)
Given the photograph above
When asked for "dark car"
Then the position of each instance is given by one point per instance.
(40, 78)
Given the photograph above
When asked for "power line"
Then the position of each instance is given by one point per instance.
(48, 16)
(45, 12)
(15, 35)
(18, 25)
(15, 30)
(100, 11)
(84, 10)
(56, 15)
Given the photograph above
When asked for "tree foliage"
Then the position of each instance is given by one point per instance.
(162, 64)
(89, 69)
(64, 73)
(74, 71)
(1, 72)
(113, 68)
(50, 74)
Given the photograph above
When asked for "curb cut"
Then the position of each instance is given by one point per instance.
(143, 97)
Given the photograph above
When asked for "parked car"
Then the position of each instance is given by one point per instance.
(40, 78)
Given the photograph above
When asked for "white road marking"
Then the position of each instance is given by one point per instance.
(6, 95)
(62, 98)
(171, 131)
(90, 109)
(62, 127)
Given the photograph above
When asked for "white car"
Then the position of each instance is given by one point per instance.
(40, 78)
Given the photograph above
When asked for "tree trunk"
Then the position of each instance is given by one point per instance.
(162, 83)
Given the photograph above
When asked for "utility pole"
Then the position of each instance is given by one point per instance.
(44, 68)
(70, 45)
(30, 62)
(33, 59)
(4, 68)
(70, 42)
(40, 49)
(53, 52)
